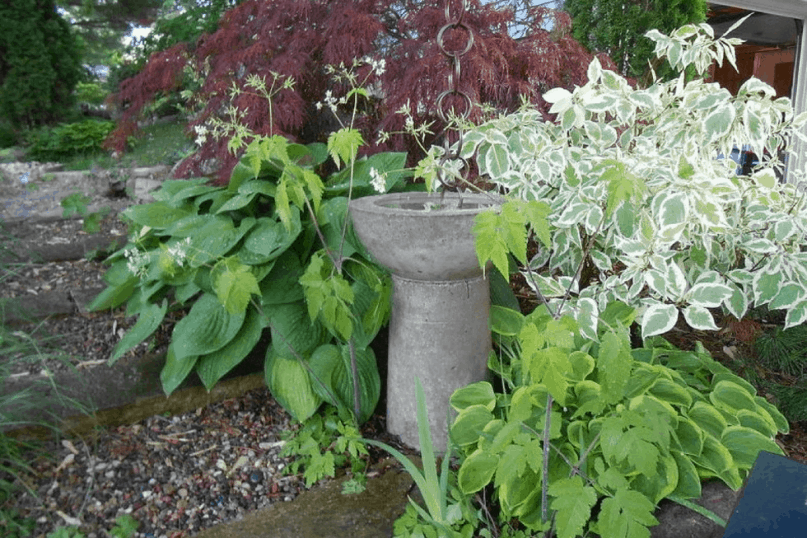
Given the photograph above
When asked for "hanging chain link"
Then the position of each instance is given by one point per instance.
(446, 107)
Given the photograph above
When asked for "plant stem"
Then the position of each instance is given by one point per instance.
(544, 484)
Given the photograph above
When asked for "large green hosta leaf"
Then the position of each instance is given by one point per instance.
(294, 335)
(282, 285)
(216, 239)
(157, 215)
(214, 366)
(175, 370)
(151, 316)
(333, 378)
(207, 328)
(291, 386)
(270, 238)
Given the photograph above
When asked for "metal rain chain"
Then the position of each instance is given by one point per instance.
(445, 110)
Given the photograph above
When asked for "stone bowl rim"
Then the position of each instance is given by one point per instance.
(376, 204)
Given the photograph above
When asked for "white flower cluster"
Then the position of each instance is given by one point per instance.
(201, 134)
(378, 66)
(137, 262)
(331, 102)
(378, 180)
(179, 252)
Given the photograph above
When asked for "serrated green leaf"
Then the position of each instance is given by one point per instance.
(234, 284)
(344, 144)
(627, 514)
(572, 502)
(548, 366)
(614, 365)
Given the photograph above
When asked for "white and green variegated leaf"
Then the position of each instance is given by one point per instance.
(657, 282)
(658, 319)
(760, 246)
(796, 315)
(766, 286)
(783, 230)
(718, 123)
(548, 287)
(790, 294)
(573, 214)
(737, 304)
(676, 281)
(497, 162)
(587, 316)
(700, 318)
(709, 295)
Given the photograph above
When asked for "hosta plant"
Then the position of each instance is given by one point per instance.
(271, 251)
(590, 435)
(638, 202)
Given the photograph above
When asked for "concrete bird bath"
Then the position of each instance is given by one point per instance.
(439, 328)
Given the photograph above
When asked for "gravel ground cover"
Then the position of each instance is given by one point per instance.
(175, 475)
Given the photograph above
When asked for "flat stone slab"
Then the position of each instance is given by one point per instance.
(324, 512)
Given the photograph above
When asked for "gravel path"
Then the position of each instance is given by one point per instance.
(175, 475)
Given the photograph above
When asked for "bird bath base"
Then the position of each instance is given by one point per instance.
(439, 328)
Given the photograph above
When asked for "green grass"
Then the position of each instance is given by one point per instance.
(21, 346)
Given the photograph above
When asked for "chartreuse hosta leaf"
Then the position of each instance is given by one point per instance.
(332, 378)
(289, 382)
(207, 328)
(213, 366)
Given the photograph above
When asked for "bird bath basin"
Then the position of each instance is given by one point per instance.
(439, 329)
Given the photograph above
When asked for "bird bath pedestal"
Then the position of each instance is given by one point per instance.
(439, 328)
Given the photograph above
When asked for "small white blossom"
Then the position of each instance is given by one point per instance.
(378, 180)
(136, 262)
(201, 134)
(179, 252)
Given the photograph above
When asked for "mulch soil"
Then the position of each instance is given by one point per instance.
(177, 475)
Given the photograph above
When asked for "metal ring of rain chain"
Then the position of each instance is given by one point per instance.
(453, 82)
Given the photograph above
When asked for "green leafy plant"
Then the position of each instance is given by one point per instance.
(324, 444)
(253, 256)
(586, 423)
(67, 140)
(125, 527)
(76, 204)
(634, 204)
(440, 516)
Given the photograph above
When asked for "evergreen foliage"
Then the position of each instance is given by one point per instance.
(299, 39)
(39, 62)
(617, 27)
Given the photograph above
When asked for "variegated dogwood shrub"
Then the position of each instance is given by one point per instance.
(634, 198)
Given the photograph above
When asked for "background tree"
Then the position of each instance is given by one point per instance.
(299, 38)
(39, 62)
(617, 27)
